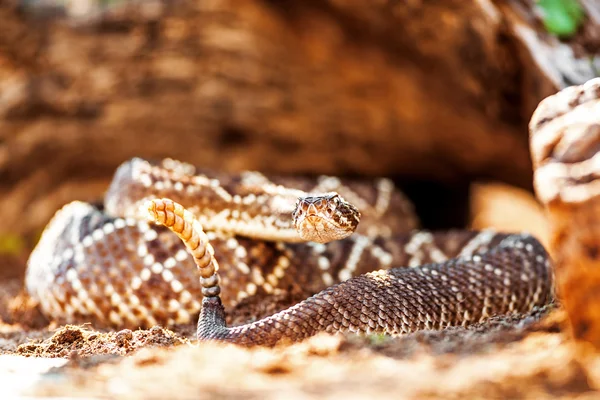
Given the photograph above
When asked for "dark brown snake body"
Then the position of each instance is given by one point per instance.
(111, 267)
(505, 280)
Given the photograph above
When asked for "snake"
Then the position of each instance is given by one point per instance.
(171, 242)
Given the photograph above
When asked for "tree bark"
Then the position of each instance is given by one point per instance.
(430, 90)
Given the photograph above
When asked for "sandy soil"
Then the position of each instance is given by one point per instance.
(527, 357)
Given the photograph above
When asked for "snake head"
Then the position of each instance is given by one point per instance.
(325, 218)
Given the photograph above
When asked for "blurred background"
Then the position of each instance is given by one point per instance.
(436, 95)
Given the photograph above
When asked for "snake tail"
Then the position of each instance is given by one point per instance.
(183, 223)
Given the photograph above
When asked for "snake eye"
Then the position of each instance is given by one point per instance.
(334, 199)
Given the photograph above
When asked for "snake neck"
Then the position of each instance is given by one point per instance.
(250, 204)
(241, 204)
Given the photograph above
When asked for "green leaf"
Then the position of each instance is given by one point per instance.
(377, 339)
(562, 17)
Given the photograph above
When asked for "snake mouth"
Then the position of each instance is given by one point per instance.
(318, 229)
(318, 222)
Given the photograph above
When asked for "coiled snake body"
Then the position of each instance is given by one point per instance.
(110, 266)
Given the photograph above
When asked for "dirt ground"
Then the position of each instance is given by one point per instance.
(527, 357)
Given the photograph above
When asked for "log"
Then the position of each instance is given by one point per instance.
(439, 91)
(565, 146)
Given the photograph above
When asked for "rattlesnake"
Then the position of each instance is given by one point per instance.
(110, 266)
(511, 277)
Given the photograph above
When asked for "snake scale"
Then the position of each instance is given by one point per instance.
(107, 264)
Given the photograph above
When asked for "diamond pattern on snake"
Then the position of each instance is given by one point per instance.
(109, 265)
